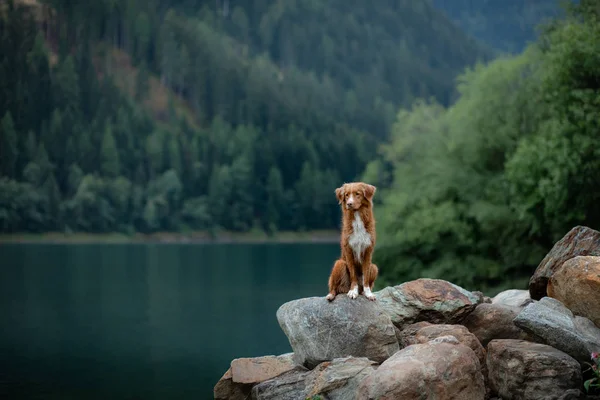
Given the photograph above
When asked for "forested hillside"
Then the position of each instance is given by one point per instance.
(167, 115)
(481, 190)
(506, 25)
(379, 55)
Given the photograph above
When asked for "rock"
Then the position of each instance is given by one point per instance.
(335, 380)
(339, 379)
(484, 298)
(321, 331)
(288, 386)
(398, 335)
(531, 371)
(494, 321)
(434, 370)
(513, 298)
(226, 389)
(431, 300)
(579, 241)
(444, 339)
(577, 285)
(556, 326)
(245, 372)
(407, 334)
(462, 334)
(459, 333)
(258, 369)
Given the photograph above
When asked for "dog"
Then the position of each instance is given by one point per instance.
(353, 273)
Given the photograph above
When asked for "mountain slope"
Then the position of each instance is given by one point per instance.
(506, 25)
(166, 115)
(381, 56)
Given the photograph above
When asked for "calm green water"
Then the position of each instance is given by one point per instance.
(144, 321)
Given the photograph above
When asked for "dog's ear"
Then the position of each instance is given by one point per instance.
(339, 193)
(369, 191)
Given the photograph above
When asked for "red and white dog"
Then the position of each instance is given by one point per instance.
(354, 273)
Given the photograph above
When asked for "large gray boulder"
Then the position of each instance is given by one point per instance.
(553, 323)
(442, 369)
(319, 330)
(579, 241)
(523, 370)
(432, 300)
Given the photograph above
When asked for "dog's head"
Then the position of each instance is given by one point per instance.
(353, 196)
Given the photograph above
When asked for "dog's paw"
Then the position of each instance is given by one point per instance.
(353, 293)
(330, 297)
(369, 295)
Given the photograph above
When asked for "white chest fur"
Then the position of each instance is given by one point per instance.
(360, 239)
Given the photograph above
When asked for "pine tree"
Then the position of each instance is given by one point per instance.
(86, 152)
(43, 161)
(40, 84)
(110, 165)
(142, 36)
(66, 85)
(30, 147)
(241, 211)
(174, 154)
(74, 179)
(142, 82)
(169, 52)
(275, 195)
(220, 194)
(51, 192)
(9, 150)
(53, 137)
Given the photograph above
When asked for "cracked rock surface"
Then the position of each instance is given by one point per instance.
(321, 331)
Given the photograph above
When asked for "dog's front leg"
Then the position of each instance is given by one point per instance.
(353, 292)
(338, 280)
(367, 275)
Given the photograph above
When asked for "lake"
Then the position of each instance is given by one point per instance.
(144, 321)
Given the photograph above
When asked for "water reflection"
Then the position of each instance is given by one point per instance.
(144, 321)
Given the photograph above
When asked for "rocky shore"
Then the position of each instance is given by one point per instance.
(431, 339)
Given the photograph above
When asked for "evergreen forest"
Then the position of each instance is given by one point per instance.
(179, 115)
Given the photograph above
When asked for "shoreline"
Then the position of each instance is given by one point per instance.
(199, 237)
